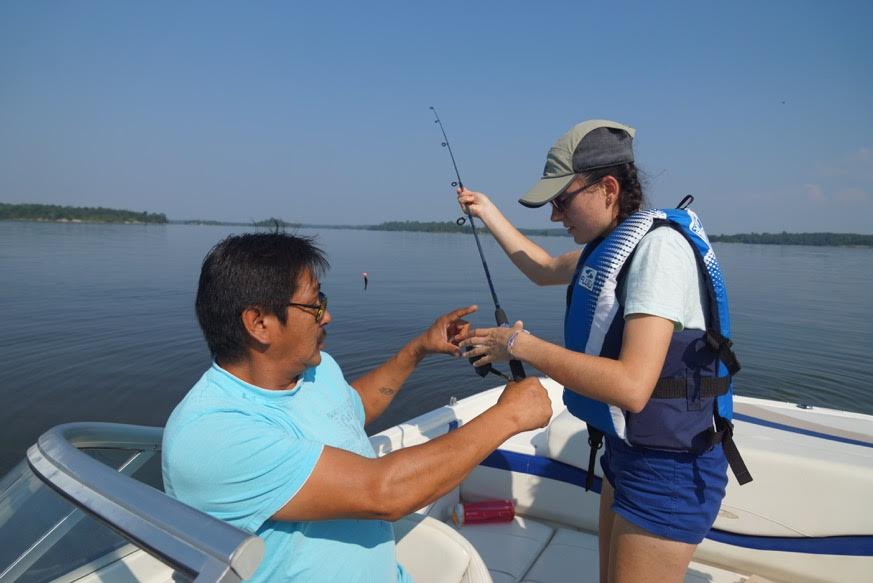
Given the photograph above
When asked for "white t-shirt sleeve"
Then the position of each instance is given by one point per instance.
(663, 280)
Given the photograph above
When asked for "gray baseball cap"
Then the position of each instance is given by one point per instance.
(592, 144)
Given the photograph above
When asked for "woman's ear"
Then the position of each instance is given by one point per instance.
(611, 190)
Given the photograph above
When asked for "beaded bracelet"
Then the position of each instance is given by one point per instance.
(511, 341)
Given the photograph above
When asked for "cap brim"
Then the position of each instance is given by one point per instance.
(545, 190)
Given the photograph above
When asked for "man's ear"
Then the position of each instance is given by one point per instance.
(255, 322)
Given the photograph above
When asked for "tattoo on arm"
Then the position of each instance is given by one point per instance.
(387, 391)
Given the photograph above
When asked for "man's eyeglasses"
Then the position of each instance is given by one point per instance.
(561, 201)
(320, 308)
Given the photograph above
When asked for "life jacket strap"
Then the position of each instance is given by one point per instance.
(722, 346)
(595, 441)
(724, 434)
(677, 388)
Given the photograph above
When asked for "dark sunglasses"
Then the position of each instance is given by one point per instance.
(562, 201)
(320, 308)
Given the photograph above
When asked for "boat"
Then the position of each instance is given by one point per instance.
(806, 517)
(85, 506)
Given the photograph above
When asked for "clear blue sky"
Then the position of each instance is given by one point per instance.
(318, 112)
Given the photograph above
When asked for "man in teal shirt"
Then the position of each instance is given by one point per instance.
(271, 439)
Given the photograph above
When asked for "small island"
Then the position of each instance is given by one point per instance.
(812, 239)
(269, 223)
(76, 214)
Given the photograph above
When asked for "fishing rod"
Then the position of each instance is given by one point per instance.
(499, 315)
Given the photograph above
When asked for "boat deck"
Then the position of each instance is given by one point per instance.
(531, 551)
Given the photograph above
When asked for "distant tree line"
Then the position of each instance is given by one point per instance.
(426, 227)
(783, 238)
(271, 223)
(275, 223)
(207, 223)
(452, 227)
(51, 212)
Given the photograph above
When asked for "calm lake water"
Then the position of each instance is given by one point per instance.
(99, 325)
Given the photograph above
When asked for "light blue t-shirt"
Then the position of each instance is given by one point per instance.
(663, 280)
(240, 453)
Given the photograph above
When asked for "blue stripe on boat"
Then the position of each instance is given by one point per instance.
(536, 465)
(859, 546)
(855, 546)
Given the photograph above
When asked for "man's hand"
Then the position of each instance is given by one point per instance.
(440, 337)
(527, 403)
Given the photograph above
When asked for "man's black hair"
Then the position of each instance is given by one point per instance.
(245, 271)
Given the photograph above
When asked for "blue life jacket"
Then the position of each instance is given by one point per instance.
(692, 405)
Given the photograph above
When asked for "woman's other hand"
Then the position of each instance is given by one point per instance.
(489, 345)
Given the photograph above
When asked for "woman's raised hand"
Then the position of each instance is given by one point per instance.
(475, 203)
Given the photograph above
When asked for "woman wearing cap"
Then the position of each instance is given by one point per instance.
(646, 354)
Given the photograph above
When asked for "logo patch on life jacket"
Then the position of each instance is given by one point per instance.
(588, 277)
(695, 226)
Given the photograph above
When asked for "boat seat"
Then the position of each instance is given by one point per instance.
(433, 552)
(509, 549)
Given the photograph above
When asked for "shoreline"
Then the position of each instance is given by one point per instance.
(847, 240)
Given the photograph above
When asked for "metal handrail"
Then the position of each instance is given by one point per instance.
(202, 547)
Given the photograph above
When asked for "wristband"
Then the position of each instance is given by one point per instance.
(511, 341)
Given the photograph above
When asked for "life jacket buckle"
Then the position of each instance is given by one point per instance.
(714, 340)
(723, 348)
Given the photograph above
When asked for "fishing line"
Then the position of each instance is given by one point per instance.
(499, 315)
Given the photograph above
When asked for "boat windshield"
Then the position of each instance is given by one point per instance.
(86, 506)
(43, 537)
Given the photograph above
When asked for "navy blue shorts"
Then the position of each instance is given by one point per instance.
(674, 495)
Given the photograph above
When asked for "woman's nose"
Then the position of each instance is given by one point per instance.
(556, 214)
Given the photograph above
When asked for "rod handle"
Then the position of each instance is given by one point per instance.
(517, 370)
(514, 365)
